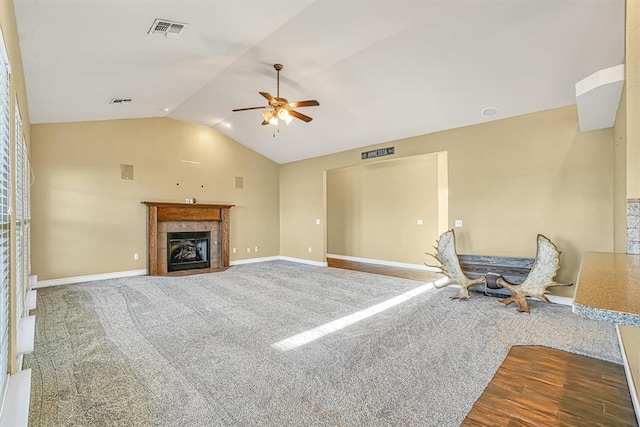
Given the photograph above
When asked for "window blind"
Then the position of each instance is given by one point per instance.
(26, 213)
(19, 216)
(5, 179)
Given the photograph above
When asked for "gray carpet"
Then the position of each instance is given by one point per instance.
(196, 350)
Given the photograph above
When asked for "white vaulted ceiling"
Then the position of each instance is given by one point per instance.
(382, 70)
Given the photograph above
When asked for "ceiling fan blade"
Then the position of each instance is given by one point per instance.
(250, 108)
(310, 103)
(264, 122)
(300, 116)
(267, 96)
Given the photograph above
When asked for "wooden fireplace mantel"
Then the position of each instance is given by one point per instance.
(180, 212)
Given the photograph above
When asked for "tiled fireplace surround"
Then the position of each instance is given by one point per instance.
(166, 218)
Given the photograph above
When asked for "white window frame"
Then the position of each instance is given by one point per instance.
(5, 217)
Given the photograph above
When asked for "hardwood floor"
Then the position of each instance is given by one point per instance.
(406, 273)
(539, 386)
(542, 386)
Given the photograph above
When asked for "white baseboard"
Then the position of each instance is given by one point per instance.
(118, 274)
(253, 260)
(88, 278)
(627, 371)
(131, 273)
(383, 262)
(303, 261)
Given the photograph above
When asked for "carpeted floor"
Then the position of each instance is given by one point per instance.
(196, 350)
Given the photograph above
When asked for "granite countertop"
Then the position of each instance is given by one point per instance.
(608, 288)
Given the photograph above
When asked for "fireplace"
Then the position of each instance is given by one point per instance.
(177, 228)
(188, 251)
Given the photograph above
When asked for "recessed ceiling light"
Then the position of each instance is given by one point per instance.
(166, 109)
(489, 112)
(226, 124)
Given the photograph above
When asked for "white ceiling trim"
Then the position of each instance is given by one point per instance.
(598, 97)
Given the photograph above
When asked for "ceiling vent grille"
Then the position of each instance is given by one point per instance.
(166, 28)
(121, 101)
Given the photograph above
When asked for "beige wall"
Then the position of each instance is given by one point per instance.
(620, 175)
(627, 136)
(509, 180)
(632, 85)
(373, 207)
(86, 220)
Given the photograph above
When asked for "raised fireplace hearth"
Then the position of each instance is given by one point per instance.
(185, 238)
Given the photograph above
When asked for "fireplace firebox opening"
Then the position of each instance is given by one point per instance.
(188, 250)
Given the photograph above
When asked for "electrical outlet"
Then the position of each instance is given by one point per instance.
(233, 250)
(317, 222)
(309, 249)
(248, 250)
(255, 249)
(458, 223)
(136, 256)
(420, 222)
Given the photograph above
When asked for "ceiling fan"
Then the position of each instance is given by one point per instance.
(280, 108)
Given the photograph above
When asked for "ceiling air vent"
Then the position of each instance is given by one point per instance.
(166, 28)
(121, 101)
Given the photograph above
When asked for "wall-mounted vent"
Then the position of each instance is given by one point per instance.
(121, 101)
(166, 28)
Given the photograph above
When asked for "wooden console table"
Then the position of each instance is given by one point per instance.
(159, 212)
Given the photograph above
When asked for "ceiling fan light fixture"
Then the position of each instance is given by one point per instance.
(283, 113)
(279, 108)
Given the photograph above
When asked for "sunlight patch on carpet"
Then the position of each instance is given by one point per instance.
(311, 335)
